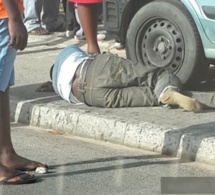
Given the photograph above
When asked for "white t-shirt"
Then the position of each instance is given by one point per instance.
(64, 70)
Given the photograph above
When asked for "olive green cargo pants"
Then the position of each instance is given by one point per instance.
(111, 81)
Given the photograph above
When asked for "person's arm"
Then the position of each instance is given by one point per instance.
(45, 87)
(17, 30)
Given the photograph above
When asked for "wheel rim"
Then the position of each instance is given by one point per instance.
(160, 43)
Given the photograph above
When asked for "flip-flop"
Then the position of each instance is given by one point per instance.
(33, 169)
(39, 31)
(22, 181)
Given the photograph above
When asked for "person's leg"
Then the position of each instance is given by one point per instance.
(123, 97)
(116, 82)
(32, 15)
(207, 99)
(64, 2)
(50, 16)
(133, 96)
(168, 90)
(80, 33)
(112, 81)
(5, 140)
(72, 25)
(88, 14)
(8, 156)
(100, 13)
(70, 12)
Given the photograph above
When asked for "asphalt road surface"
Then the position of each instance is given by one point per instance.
(82, 166)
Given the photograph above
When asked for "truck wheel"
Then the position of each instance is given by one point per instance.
(163, 34)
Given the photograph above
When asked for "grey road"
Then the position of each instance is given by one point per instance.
(82, 166)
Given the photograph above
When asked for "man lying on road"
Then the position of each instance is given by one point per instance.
(106, 80)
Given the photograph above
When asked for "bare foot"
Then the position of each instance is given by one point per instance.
(16, 162)
(8, 176)
(174, 98)
(92, 49)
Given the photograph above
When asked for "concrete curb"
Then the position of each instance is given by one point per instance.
(167, 140)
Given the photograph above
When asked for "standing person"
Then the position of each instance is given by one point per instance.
(88, 14)
(42, 16)
(13, 37)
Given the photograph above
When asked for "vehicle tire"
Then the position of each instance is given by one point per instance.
(163, 34)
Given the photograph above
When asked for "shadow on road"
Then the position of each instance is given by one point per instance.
(121, 165)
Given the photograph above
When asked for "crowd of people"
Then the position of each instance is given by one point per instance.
(42, 17)
(81, 19)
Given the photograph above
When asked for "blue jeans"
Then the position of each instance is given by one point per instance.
(7, 57)
(41, 13)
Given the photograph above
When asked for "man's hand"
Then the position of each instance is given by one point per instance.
(45, 87)
(18, 34)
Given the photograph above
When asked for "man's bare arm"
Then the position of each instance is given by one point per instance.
(12, 9)
(45, 87)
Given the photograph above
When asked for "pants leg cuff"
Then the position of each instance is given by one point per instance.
(169, 87)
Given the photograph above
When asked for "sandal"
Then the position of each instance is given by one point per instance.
(27, 180)
(39, 31)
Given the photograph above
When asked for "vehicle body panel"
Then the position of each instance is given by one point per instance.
(205, 25)
(202, 11)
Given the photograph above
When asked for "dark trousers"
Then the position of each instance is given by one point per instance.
(71, 21)
(111, 81)
(64, 2)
